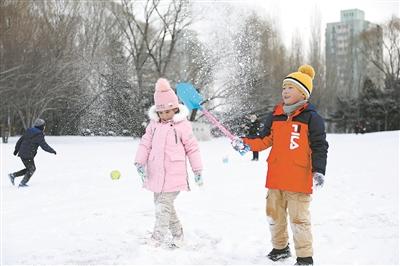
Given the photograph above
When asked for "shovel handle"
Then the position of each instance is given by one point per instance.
(216, 123)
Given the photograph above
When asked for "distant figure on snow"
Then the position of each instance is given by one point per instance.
(26, 149)
(253, 129)
(360, 128)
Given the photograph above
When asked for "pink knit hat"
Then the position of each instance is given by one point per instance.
(164, 97)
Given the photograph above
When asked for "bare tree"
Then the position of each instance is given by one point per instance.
(321, 96)
(296, 57)
(274, 63)
(152, 35)
(254, 69)
(388, 60)
(43, 69)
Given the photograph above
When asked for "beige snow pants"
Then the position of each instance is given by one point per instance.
(166, 217)
(297, 204)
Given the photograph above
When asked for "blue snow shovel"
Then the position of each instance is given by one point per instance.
(188, 94)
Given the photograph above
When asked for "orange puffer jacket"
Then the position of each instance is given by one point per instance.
(299, 148)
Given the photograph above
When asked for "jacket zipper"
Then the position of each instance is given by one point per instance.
(187, 180)
(176, 142)
(176, 136)
(162, 188)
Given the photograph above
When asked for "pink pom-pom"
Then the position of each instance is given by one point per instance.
(162, 85)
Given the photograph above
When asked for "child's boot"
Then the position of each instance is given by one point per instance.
(177, 242)
(304, 261)
(279, 254)
(12, 177)
(177, 237)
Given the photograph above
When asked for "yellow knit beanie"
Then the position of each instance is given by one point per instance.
(302, 80)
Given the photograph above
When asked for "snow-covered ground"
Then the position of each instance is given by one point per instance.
(73, 213)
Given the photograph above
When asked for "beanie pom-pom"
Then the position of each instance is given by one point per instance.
(308, 70)
(162, 85)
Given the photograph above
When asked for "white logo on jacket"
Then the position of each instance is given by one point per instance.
(294, 136)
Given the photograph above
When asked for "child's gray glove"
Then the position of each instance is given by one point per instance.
(141, 171)
(198, 178)
(318, 180)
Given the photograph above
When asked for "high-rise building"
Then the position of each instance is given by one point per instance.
(349, 57)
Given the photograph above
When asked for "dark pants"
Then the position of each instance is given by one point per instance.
(28, 171)
(255, 155)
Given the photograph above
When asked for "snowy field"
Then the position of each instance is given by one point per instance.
(73, 213)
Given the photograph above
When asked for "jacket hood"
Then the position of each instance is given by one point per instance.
(182, 115)
(34, 130)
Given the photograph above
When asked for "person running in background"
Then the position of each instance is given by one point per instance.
(26, 149)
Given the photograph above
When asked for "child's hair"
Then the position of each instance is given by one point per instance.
(176, 111)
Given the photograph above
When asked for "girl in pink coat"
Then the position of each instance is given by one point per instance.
(161, 160)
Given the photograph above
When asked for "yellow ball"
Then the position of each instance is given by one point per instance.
(115, 174)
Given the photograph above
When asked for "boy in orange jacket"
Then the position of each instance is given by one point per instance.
(296, 162)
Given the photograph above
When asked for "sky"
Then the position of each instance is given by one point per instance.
(376, 11)
(292, 16)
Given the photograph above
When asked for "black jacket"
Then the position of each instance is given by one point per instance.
(27, 145)
(253, 128)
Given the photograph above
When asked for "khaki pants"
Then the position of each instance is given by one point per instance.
(280, 202)
(166, 218)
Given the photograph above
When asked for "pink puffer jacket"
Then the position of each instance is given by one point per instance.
(163, 149)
